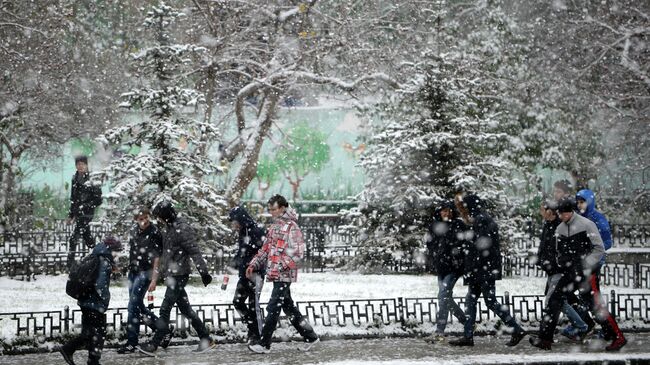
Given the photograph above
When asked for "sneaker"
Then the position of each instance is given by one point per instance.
(539, 343)
(148, 349)
(126, 349)
(462, 341)
(516, 337)
(308, 345)
(618, 343)
(167, 338)
(575, 333)
(259, 349)
(66, 356)
(436, 337)
(206, 344)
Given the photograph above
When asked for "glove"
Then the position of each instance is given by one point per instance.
(206, 279)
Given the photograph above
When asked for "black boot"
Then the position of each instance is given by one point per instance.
(539, 343)
(516, 337)
(462, 341)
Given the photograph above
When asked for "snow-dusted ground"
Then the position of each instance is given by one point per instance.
(48, 292)
(411, 351)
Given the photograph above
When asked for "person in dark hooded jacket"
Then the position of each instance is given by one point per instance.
(482, 270)
(93, 307)
(446, 236)
(179, 246)
(251, 237)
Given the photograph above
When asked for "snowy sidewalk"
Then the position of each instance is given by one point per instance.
(488, 350)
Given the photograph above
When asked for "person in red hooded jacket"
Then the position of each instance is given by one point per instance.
(282, 251)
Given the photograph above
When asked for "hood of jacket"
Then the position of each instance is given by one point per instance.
(590, 198)
(447, 204)
(474, 204)
(102, 250)
(289, 215)
(242, 216)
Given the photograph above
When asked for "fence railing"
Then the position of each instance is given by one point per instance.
(352, 313)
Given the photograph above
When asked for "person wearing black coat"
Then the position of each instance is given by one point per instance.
(482, 270)
(250, 239)
(84, 198)
(447, 244)
(179, 246)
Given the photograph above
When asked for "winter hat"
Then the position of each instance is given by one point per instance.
(165, 211)
(566, 205)
(113, 243)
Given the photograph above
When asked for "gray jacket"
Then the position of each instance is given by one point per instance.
(579, 245)
(179, 245)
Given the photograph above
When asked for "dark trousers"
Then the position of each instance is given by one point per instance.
(176, 295)
(246, 291)
(281, 300)
(81, 229)
(488, 289)
(93, 331)
(590, 296)
(138, 285)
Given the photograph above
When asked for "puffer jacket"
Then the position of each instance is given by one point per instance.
(101, 297)
(598, 218)
(483, 255)
(179, 246)
(282, 251)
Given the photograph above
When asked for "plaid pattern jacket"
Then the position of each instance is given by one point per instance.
(282, 251)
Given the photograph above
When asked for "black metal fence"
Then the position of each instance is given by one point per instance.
(351, 313)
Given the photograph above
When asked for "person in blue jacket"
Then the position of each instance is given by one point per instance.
(93, 307)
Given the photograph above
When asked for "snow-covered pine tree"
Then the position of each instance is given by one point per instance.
(464, 124)
(170, 162)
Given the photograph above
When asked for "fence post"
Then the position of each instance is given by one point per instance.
(637, 275)
(612, 304)
(66, 318)
(400, 310)
(506, 297)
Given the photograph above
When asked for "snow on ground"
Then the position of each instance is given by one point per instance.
(48, 292)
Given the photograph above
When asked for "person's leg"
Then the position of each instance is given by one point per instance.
(79, 341)
(246, 291)
(446, 301)
(84, 222)
(185, 308)
(296, 318)
(488, 289)
(72, 243)
(471, 299)
(574, 317)
(97, 331)
(551, 313)
(591, 295)
(136, 308)
(273, 309)
(172, 293)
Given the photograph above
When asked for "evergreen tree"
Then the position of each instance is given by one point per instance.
(170, 162)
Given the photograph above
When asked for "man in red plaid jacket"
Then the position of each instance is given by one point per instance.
(283, 249)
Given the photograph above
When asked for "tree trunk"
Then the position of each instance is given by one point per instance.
(6, 203)
(248, 168)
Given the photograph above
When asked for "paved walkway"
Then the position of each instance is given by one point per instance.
(391, 351)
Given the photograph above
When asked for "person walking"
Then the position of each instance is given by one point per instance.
(145, 249)
(84, 198)
(179, 246)
(447, 235)
(282, 251)
(580, 249)
(250, 239)
(547, 256)
(94, 306)
(482, 270)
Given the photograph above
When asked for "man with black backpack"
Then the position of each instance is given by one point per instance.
(89, 283)
(84, 198)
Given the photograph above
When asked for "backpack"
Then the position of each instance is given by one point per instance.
(82, 278)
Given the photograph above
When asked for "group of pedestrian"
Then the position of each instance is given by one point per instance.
(163, 250)
(464, 242)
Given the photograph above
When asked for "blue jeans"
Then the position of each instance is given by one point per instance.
(446, 301)
(487, 288)
(138, 285)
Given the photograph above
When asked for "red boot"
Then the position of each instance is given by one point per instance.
(618, 343)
